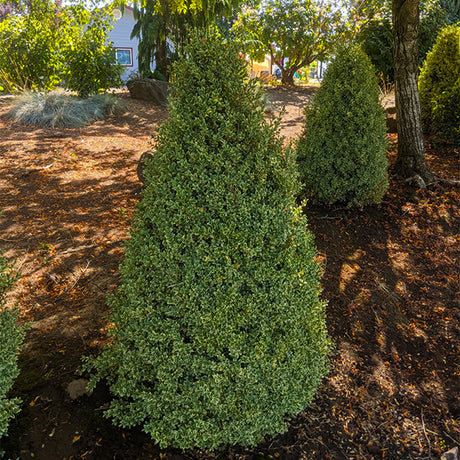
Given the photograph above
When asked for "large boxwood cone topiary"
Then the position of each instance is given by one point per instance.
(439, 87)
(11, 337)
(342, 151)
(218, 332)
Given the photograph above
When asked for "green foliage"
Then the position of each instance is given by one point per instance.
(158, 21)
(218, 327)
(204, 14)
(439, 86)
(342, 152)
(57, 109)
(376, 40)
(8, 8)
(89, 63)
(376, 36)
(28, 58)
(156, 75)
(11, 338)
(47, 44)
(299, 30)
(154, 25)
(452, 8)
(432, 20)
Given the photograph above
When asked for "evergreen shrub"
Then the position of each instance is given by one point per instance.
(342, 151)
(439, 86)
(376, 40)
(376, 36)
(432, 21)
(48, 45)
(218, 329)
(156, 75)
(28, 57)
(90, 65)
(11, 337)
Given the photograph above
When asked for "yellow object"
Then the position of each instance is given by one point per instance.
(261, 70)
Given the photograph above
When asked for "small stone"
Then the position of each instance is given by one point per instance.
(416, 181)
(77, 388)
(374, 449)
(452, 454)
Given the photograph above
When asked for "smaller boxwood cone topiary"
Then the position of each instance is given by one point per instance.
(439, 86)
(219, 332)
(342, 151)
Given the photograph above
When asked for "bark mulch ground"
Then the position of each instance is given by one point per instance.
(391, 281)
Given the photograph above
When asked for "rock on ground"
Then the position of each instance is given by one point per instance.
(77, 388)
(147, 89)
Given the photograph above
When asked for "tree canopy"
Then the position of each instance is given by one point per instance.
(293, 32)
(161, 21)
(376, 34)
(45, 44)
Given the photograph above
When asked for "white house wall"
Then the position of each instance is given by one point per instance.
(120, 36)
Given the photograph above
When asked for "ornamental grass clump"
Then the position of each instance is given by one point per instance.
(342, 151)
(11, 337)
(218, 330)
(60, 109)
(439, 86)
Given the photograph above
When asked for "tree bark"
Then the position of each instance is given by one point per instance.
(287, 76)
(161, 58)
(411, 154)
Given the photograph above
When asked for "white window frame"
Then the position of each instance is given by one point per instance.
(122, 48)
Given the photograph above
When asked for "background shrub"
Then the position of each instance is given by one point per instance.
(452, 8)
(376, 39)
(28, 51)
(439, 86)
(342, 151)
(89, 62)
(48, 45)
(218, 327)
(11, 337)
(432, 21)
(58, 109)
(376, 36)
(156, 75)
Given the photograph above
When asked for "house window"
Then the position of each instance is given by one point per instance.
(124, 56)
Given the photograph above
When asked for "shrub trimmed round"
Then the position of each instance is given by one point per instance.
(342, 151)
(218, 329)
(439, 86)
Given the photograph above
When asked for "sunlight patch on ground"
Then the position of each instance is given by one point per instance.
(347, 274)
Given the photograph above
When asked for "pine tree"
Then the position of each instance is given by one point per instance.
(342, 151)
(218, 327)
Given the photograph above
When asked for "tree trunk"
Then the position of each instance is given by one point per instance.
(287, 76)
(161, 61)
(144, 59)
(411, 155)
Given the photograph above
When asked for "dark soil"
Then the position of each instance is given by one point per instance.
(391, 281)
